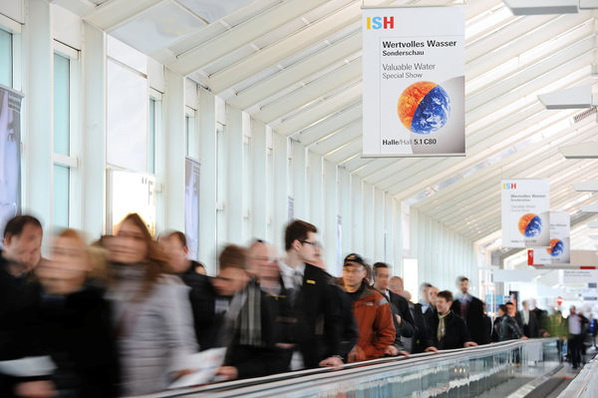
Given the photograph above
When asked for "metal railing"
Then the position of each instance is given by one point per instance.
(585, 385)
(472, 370)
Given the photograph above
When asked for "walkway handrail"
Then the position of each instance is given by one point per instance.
(584, 385)
(376, 365)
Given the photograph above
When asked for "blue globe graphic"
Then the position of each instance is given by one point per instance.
(558, 249)
(432, 112)
(534, 228)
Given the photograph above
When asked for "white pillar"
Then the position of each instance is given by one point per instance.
(378, 225)
(316, 197)
(368, 221)
(329, 229)
(357, 204)
(38, 108)
(258, 215)
(299, 180)
(234, 179)
(173, 185)
(281, 194)
(344, 200)
(93, 154)
(207, 196)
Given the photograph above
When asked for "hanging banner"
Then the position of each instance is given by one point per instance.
(414, 81)
(559, 251)
(525, 213)
(10, 155)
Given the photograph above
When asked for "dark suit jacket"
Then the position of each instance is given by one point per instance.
(427, 338)
(475, 319)
(264, 359)
(318, 318)
(400, 306)
(533, 327)
(455, 335)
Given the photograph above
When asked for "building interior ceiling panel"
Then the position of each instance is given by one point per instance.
(296, 65)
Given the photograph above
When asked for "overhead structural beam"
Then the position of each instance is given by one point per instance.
(593, 224)
(242, 34)
(588, 4)
(584, 150)
(537, 7)
(593, 208)
(112, 13)
(571, 98)
(586, 186)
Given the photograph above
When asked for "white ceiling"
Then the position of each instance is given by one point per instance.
(296, 65)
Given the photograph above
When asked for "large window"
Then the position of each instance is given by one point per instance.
(127, 118)
(5, 58)
(62, 140)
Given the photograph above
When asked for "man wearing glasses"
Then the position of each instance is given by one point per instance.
(315, 324)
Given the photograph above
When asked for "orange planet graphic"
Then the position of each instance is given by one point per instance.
(556, 248)
(530, 225)
(424, 107)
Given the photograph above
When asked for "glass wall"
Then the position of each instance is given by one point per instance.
(5, 58)
(62, 140)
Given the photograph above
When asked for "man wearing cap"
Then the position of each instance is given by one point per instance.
(371, 310)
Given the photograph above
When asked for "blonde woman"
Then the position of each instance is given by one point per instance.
(152, 313)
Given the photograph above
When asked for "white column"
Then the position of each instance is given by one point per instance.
(344, 200)
(207, 195)
(378, 225)
(281, 196)
(316, 198)
(258, 153)
(174, 181)
(397, 241)
(93, 153)
(299, 179)
(234, 180)
(37, 106)
(357, 215)
(368, 221)
(389, 228)
(331, 213)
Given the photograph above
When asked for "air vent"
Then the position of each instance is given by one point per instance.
(587, 113)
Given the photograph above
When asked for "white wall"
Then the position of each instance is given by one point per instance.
(442, 254)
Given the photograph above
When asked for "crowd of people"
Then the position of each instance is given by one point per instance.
(119, 317)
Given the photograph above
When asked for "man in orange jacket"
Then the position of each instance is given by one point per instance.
(371, 311)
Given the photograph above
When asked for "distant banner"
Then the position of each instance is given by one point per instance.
(10, 154)
(414, 81)
(525, 213)
(559, 251)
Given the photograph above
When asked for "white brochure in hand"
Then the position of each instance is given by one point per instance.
(204, 364)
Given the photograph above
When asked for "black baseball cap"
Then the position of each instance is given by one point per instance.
(353, 258)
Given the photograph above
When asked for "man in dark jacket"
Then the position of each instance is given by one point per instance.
(318, 321)
(471, 309)
(403, 321)
(257, 348)
(450, 330)
(527, 321)
(24, 368)
(505, 327)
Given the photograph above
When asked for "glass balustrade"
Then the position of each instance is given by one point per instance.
(483, 371)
